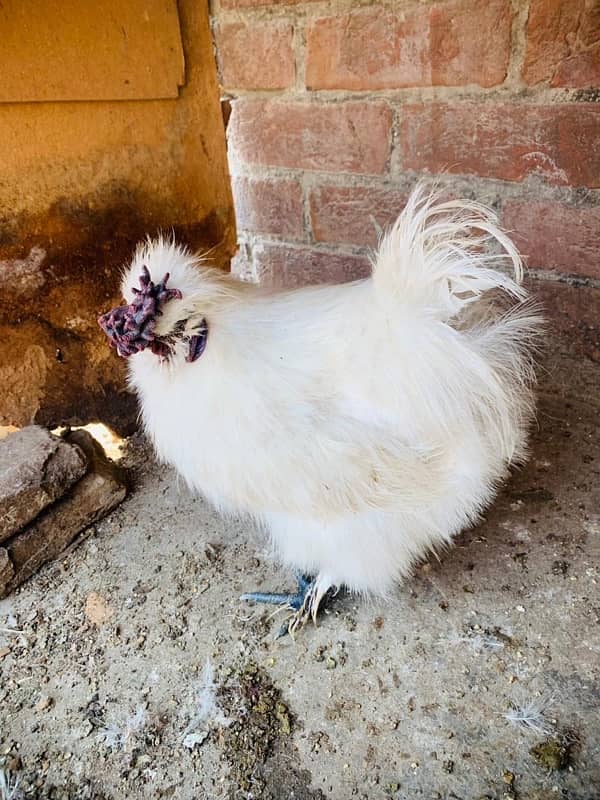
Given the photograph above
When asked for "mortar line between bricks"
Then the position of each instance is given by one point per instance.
(299, 42)
(305, 11)
(340, 249)
(420, 95)
(518, 44)
(307, 218)
(571, 279)
(395, 167)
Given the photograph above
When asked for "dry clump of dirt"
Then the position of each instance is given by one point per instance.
(553, 754)
(260, 718)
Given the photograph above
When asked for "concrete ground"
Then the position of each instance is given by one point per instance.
(130, 670)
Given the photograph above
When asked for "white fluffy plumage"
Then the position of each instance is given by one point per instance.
(362, 425)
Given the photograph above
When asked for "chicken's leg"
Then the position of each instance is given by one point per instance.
(306, 602)
(294, 600)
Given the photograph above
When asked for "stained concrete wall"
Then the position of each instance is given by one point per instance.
(81, 181)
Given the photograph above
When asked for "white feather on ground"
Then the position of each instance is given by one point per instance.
(9, 786)
(207, 712)
(480, 642)
(531, 716)
(121, 734)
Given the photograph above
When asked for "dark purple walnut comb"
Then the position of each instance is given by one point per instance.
(130, 328)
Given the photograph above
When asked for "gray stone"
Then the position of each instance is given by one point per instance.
(100, 490)
(36, 468)
(6, 570)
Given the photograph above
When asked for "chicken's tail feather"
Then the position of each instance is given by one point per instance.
(442, 255)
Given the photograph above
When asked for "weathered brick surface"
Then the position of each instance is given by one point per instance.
(269, 205)
(582, 69)
(35, 469)
(335, 118)
(342, 137)
(256, 55)
(439, 44)
(505, 141)
(353, 214)
(556, 236)
(282, 266)
(573, 312)
(563, 43)
(241, 264)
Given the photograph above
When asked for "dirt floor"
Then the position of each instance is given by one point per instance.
(129, 669)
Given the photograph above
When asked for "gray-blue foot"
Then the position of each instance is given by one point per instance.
(305, 602)
(294, 600)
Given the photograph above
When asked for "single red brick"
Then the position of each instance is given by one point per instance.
(506, 141)
(264, 205)
(559, 34)
(440, 44)
(333, 137)
(555, 235)
(259, 55)
(282, 266)
(353, 214)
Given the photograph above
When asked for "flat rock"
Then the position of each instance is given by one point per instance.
(36, 468)
(94, 495)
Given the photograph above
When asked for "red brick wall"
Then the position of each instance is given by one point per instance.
(337, 107)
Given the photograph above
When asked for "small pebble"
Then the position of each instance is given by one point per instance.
(44, 703)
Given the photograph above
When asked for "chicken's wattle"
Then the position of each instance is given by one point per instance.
(197, 343)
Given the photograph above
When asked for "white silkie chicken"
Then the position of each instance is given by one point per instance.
(362, 425)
